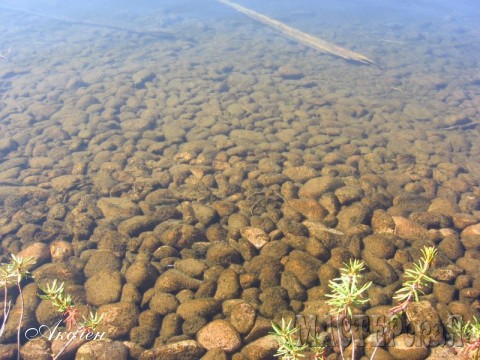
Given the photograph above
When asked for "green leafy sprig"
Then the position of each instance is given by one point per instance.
(416, 280)
(55, 292)
(470, 333)
(13, 273)
(346, 290)
(290, 348)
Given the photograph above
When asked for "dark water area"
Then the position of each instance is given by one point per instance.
(195, 173)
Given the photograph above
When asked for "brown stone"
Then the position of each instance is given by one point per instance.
(181, 350)
(243, 317)
(260, 349)
(219, 334)
(257, 237)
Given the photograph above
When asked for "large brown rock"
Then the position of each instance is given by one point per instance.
(316, 187)
(104, 287)
(406, 349)
(172, 281)
(260, 349)
(102, 350)
(118, 319)
(203, 307)
(114, 207)
(255, 236)
(219, 334)
(182, 350)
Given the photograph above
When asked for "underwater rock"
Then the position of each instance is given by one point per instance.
(201, 307)
(172, 281)
(7, 145)
(228, 286)
(383, 271)
(223, 254)
(471, 231)
(260, 349)
(105, 348)
(257, 237)
(38, 252)
(136, 225)
(381, 245)
(403, 349)
(219, 334)
(163, 303)
(290, 73)
(141, 274)
(142, 76)
(118, 319)
(101, 260)
(117, 207)
(181, 350)
(191, 267)
(179, 235)
(303, 266)
(409, 230)
(243, 317)
(104, 287)
(316, 187)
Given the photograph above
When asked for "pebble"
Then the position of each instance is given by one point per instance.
(179, 235)
(381, 245)
(289, 73)
(201, 307)
(163, 303)
(118, 319)
(172, 281)
(101, 260)
(349, 194)
(141, 274)
(257, 237)
(300, 174)
(303, 266)
(223, 254)
(117, 207)
(102, 349)
(104, 287)
(142, 76)
(383, 271)
(309, 208)
(191, 267)
(472, 230)
(261, 349)
(38, 252)
(186, 349)
(228, 286)
(135, 225)
(219, 334)
(243, 317)
(409, 230)
(316, 187)
(405, 350)
(60, 250)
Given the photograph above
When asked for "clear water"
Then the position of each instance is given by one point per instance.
(210, 67)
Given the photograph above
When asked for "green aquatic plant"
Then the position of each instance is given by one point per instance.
(12, 274)
(348, 292)
(417, 280)
(470, 333)
(72, 318)
(64, 304)
(290, 348)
